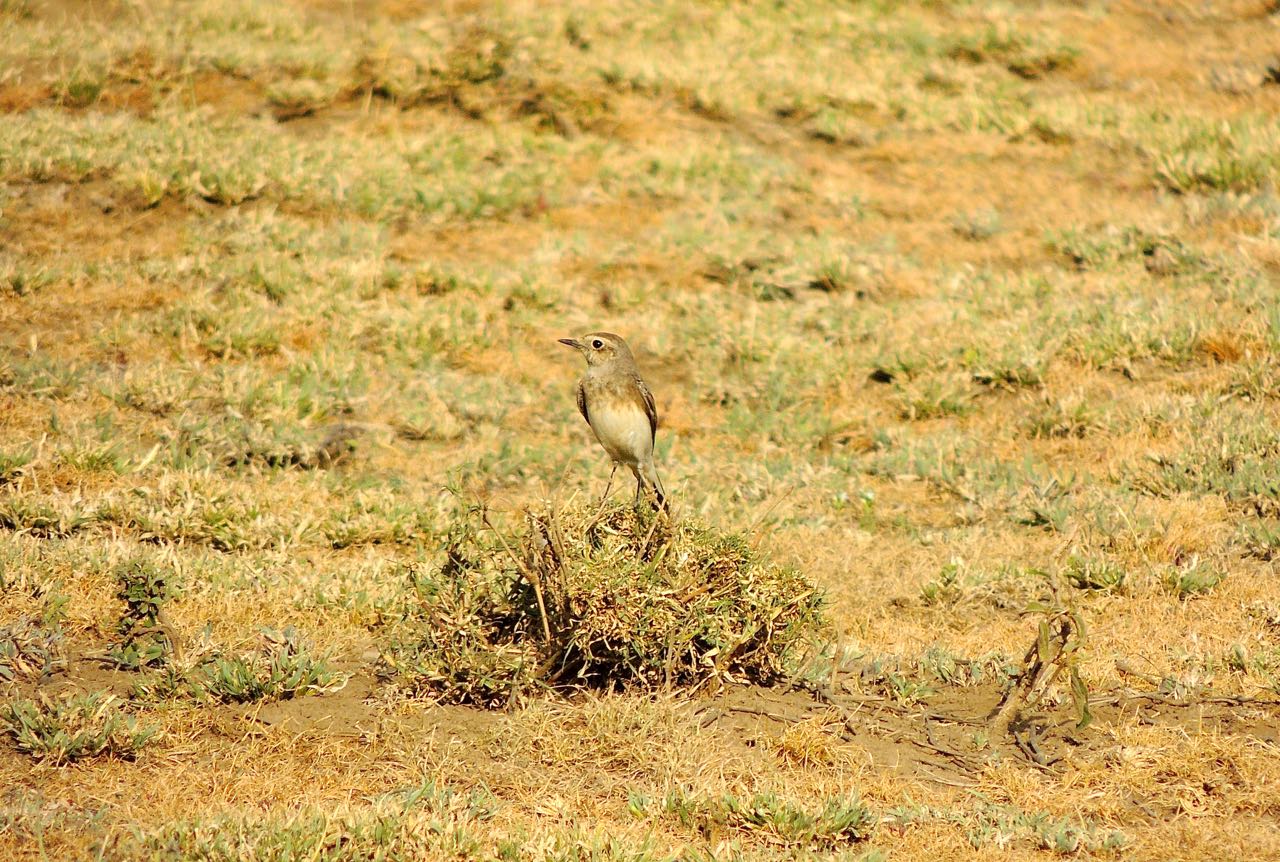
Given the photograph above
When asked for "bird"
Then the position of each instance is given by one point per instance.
(617, 404)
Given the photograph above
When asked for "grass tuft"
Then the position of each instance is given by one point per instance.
(281, 668)
(30, 650)
(72, 728)
(598, 597)
(1095, 573)
(1193, 578)
(765, 817)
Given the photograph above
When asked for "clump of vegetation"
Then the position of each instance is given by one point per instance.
(1058, 419)
(1011, 373)
(1099, 249)
(427, 821)
(29, 650)
(765, 816)
(1193, 578)
(1261, 539)
(978, 225)
(599, 597)
(1095, 573)
(1239, 464)
(146, 640)
(944, 589)
(1238, 155)
(73, 727)
(12, 466)
(280, 669)
(1005, 826)
(1029, 56)
(933, 399)
(886, 675)
(299, 97)
(21, 514)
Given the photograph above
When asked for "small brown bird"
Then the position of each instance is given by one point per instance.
(619, 408)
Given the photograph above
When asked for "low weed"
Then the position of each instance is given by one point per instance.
(933, 399)
(31, 649)
(1096, 574)
(764, 817)
(1239, 463)
(1000, 826)
(1026, 54)
(73, 727)
(1192, 578)
(145, 640)
(281, 668)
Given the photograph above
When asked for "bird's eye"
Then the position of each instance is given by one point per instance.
(597, 343)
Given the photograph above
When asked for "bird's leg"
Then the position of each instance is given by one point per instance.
(655, 485)
(639, 483)
(608, 485)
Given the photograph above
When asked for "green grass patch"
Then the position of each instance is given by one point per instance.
(30, 650)
(73, 727)
(765, 818)
(281, 668)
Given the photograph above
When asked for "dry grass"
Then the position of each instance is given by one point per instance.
(599, 596)
(951, 308)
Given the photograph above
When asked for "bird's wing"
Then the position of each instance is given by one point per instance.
(582, 401)
(650, 409)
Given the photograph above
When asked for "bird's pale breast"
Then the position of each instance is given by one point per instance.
(622, 427)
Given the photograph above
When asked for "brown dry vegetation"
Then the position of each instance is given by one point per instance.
(953, 307)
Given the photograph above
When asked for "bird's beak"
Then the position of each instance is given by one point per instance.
(572, 342)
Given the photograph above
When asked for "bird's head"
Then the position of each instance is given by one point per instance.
(600, 348)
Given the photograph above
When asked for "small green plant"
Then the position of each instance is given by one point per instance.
(36, 518)
(1026, 55)
(899, 368)
(30, 649)
(99, 458)
(932, 399)
(1239, 155)
(949, 669)
(298, 97)
(12, 466)
(19, 277)
(884, 674)
(146, 639)
(1048, 504)
(1192, 578)
(1261, 539)
(1010, 372)
(81, 89)
(1094, 573)
(1059, 419)
(1100, 249)
(280, 669)
(945, 588)
(73, 728)
(766, 817)
(1060, 636)
(977, 225)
